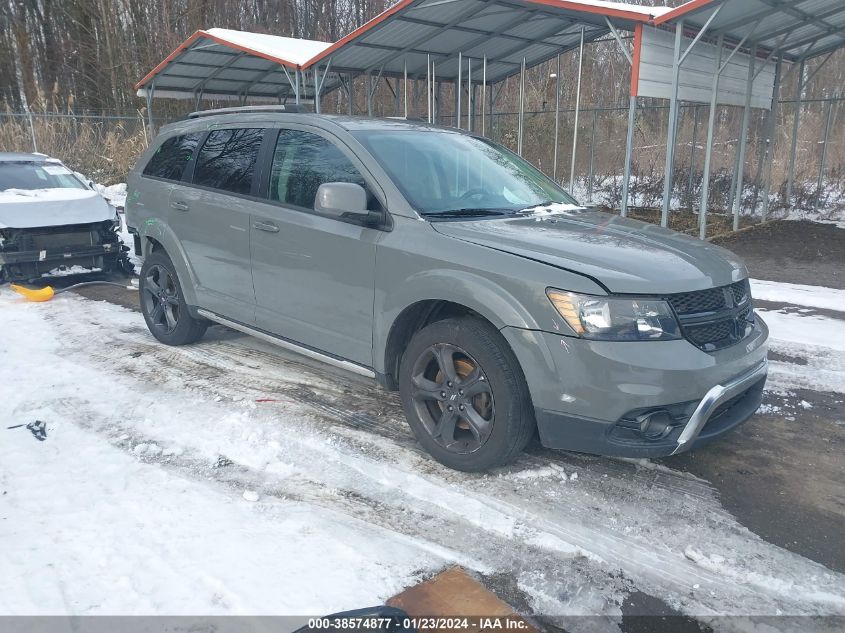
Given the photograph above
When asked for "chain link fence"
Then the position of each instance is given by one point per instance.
(106, 145)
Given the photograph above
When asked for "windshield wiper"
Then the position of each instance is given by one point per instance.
(464, 213)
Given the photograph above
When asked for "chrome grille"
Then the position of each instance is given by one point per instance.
(715, 318)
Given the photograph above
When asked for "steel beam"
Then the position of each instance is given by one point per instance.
(557, 120)
(629, 154)
(577, 114)
(743, 140)
(708, 148)
(469, 94)
(796, 120)
(521, 120)
(458, 90)
(484, 96)
(672, 135)
(823, 164)
(771, 122)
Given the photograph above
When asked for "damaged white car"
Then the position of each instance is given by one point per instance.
(52, 219)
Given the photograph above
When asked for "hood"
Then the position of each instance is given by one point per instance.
(626, 256)
(31, 208)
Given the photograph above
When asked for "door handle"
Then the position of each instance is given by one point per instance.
(179, 205)
(265, 226)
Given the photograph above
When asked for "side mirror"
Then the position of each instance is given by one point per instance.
(341, 199)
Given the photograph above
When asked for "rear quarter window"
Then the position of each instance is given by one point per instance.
(172, 157)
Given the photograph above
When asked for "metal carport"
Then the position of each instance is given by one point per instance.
(703, 45)
(770, 32)
(224, 64)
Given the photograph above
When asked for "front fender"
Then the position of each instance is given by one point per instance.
(465, 288)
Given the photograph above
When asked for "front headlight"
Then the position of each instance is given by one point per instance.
(614, 319)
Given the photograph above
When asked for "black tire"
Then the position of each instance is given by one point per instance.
(498, 418)
(163, 303)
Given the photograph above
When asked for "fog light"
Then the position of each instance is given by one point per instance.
(655, 425)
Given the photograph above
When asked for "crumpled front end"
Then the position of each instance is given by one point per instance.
(30, 253)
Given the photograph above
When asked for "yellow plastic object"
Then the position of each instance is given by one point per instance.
(40, 294)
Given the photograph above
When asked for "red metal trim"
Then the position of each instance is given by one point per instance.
(674, 14)
(381, 17)
(635, 64)
(204, 34)
(598, 10)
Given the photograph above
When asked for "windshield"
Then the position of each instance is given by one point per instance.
(446, 173)
(29, 176)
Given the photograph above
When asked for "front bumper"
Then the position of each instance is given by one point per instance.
(638, 399)
(722, 409)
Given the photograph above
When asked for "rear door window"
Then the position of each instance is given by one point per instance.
(227, 160)
(303, 161)
(172, 157)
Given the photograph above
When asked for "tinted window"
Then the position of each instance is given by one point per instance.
(172, 157)
(227, 160)
(302, 162)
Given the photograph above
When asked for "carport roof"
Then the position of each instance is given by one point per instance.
(795, 28)
(223, 64)
(505, 31)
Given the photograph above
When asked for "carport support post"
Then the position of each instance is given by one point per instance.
(484, 96)
(557, 119)
(629, 155)
(296, 86)
(672, 136)
(405, 85)
(577, 114)
(770, 139)
(458, 90)
(429, 87)
(150, 92)
(692, 154)
(796, 120)
(521, 118)
(469, 94)
(827, 128)
(317, 89)
(708, 148)
(743, 139)
(592, 156)
(351, 93)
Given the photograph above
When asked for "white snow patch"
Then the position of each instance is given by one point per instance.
(799, 294)
(108, 531)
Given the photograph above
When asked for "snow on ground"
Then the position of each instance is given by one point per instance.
(796, 331)
(799, 294)
(140, 485)
(115, 194)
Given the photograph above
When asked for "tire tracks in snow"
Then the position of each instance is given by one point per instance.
(664, 531)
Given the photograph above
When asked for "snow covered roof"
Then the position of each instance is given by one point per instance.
(227, 64)
(293, 50)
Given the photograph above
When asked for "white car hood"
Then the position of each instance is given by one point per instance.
(31, 208)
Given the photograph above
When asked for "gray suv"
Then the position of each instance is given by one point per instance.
(447, 267)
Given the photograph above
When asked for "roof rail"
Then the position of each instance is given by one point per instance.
(246, 109)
